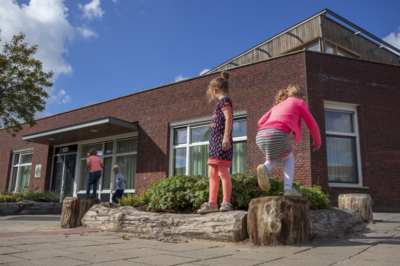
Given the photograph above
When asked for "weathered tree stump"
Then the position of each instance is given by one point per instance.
(279, 220)
(74, 209)
(360, 203)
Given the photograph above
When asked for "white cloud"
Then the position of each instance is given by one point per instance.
(204, 71)
(92, 10)
(180, 77)
(57, 97)
(393, 38)
(45, 23)
(114, 1)
(86, 32)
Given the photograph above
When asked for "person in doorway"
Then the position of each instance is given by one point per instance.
(119, 185)
(273, 135)
(221, 145)
(95, 164)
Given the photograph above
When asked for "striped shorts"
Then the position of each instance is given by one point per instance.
(274, 143)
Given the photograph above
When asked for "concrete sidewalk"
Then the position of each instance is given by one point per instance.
(378, 245)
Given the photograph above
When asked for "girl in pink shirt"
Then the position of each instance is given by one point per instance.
(95, 165)
(273, 139)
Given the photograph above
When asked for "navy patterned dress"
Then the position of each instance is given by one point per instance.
(216, 155)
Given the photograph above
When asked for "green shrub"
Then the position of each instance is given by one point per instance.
(183, 193)
(25, 194)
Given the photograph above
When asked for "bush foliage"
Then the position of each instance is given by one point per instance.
(42, 196)
(183, 193)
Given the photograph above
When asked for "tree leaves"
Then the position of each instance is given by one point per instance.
(22, 83)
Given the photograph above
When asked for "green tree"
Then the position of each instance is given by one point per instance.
(22, 84)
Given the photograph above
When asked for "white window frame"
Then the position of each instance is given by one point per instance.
(347, 107)
(20, 152)
(114, 138)
(190, 124)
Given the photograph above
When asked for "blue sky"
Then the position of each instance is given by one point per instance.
(102, 49)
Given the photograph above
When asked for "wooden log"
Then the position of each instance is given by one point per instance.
(74, 209)
(360, 203)
(218, 226)
(279, 220)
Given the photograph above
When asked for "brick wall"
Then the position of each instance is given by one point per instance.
(253, 88)
(376, 88)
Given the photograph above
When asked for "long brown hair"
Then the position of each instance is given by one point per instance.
(221, 84)
(293, 90)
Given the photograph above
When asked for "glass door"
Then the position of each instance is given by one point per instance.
(63, 179)
(69, 176)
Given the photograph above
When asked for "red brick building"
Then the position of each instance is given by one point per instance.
(353, 92)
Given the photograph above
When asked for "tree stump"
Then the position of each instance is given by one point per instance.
(360, 203)
(74, 209)
(279, 220)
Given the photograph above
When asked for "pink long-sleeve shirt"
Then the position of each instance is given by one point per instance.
(286, 116)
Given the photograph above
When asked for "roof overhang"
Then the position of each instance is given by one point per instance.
(99, 128)
(324, 12)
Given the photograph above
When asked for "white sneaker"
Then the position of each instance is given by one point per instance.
(208, 207)
(292, 192)
(225, 207)
(263, 177)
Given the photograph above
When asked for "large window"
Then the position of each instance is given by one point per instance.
(190, 143)
(342, 143)
(334, 48)
(21, 170)
(122, 152)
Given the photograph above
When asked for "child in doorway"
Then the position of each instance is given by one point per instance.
(119, 184)
(221, 145)
(95, 165)
(273, 139)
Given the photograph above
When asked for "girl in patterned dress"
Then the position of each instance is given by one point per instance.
(221, 145)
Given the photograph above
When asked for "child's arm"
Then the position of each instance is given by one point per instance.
(120, 181)
(87, 166)
(125, 181)
(228, 128)
(101, 165)
(264, 119)
(312, 126)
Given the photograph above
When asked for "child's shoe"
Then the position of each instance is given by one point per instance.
(292, 192)
(225, 207)
(208, 207)
(263, 177)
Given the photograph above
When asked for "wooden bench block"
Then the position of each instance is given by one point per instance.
(74, 209)
(279, 220)
(360, 203)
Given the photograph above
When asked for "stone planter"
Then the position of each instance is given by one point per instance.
(227, 227)
(26, 207)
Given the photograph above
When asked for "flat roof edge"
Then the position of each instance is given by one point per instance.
(100, 121)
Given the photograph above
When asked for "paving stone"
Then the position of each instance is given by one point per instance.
(8, 259)
(163, 260)
(204, 253)
(191, 246)
(122, 263)
(353, 262)
(228, 261)
(43, 254)
(105, 256)
(10, 250)
(42, 246)
(59, 261)
(299, 262)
